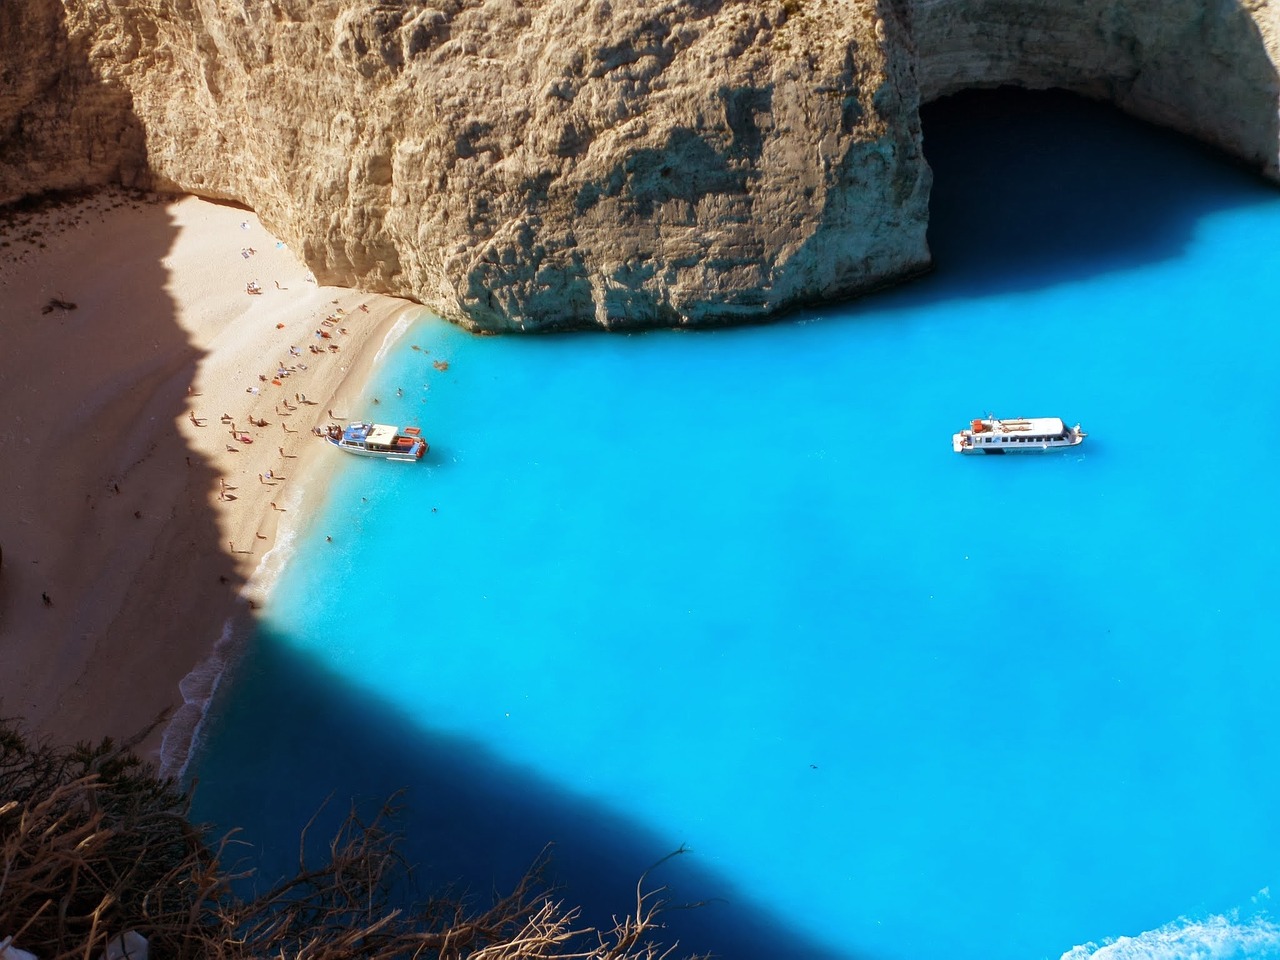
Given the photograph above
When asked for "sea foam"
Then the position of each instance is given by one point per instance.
(198, 689)
(1218, 937)
(398, 330)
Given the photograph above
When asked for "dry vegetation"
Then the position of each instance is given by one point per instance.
(92, 845)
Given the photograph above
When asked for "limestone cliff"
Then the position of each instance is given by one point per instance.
(532, 164)
(61, 127)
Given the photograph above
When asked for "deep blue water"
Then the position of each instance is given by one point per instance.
(733, 590)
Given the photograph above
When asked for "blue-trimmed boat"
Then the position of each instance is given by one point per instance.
(378, 440)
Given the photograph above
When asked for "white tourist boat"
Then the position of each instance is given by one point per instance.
(378, 440)
(1022, 435)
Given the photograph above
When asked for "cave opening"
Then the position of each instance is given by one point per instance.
(1034, 187)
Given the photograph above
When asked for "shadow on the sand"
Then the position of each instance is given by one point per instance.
(119, 357)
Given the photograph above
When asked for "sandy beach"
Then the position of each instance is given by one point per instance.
(156, 437)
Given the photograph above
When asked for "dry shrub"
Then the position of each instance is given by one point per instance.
(92, 844)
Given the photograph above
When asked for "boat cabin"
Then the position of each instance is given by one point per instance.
(380, 437)
(1024, 430)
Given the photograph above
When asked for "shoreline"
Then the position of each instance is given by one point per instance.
(180, 735)
(159, 428)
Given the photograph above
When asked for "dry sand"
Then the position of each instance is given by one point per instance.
(132, 514)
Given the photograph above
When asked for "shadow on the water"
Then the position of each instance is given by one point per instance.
(471, 820)
(1028, 187)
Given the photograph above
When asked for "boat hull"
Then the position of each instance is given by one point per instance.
(1013, 448)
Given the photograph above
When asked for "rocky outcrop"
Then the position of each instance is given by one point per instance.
(536, 164)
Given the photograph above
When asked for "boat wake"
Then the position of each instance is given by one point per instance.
(1219, 937)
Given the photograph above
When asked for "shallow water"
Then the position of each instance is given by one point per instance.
(733, 590)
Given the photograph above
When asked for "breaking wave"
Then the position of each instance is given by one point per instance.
(403, 322)
(197, 688)
(1218, 937)
(273, 562)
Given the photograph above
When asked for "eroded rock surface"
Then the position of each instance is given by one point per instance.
(550, 163)
(61, 126)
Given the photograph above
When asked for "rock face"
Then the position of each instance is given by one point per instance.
(61, 126)
(536, 164)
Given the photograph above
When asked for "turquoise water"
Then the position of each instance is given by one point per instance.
(733, 590)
